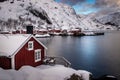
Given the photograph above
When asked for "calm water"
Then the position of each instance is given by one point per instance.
(97, 54)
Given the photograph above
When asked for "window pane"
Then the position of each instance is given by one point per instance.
(30, 45)
(37, 55)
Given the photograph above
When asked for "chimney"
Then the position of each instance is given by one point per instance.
(29, 29)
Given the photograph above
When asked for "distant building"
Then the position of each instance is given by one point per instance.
(54, 31)
(17, 50)
(76, 32)
(23, 31)
(42, 31)
(4, 32)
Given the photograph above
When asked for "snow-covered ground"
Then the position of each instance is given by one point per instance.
(43, 72)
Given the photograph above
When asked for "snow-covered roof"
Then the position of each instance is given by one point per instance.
(24, 29)
(9, 43)
(42, 29)
(75, 29)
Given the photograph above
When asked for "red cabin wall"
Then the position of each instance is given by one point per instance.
(5, 63)
(57, 31)
(23, 32)
(26, 57)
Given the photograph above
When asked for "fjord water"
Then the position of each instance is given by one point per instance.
(98, 54)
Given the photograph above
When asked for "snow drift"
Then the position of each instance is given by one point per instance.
(42, 72)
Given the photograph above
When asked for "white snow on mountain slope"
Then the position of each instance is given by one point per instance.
(61, 15)
(43, 72)
(90, 23)
(41, 13)
(18, 14)
(112, 19)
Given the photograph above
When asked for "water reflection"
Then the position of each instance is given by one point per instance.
(97, 54)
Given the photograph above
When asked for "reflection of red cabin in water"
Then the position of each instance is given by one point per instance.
(17, 50)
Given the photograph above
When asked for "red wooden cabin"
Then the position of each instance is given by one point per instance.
(17, 50)
(23, 31)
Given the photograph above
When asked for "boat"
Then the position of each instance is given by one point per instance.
(89, 33)
(99, 33)
(78, 34)
(42, 35)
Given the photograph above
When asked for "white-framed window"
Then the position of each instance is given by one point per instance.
(37, 55)
(30, 45)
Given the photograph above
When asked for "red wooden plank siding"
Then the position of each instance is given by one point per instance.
(5, 63)
(26, 57)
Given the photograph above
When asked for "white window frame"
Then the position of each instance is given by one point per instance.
(32, 45)
(37, 55)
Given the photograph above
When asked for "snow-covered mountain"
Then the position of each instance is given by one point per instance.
(16, 14)
(90, 22)
(112, 19)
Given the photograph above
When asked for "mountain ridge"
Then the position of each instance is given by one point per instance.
(43, 14)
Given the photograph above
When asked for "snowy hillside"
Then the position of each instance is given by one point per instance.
(40, 13)
(112, 19)
(90, 22)
(16, 14)
(21, 13)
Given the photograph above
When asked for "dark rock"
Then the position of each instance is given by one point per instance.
(43, 15)
(75, 77)
(2, 0)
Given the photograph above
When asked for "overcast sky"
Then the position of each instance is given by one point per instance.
(90, 6)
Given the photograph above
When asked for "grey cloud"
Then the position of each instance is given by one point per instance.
(107, 3)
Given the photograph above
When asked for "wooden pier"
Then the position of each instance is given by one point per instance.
(52, 60)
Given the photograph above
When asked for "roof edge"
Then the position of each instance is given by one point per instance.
(31, 36)
(20, 46)
(39, 42)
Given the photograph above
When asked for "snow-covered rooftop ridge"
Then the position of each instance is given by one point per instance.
(43, 72)
(9, 43)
